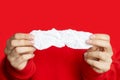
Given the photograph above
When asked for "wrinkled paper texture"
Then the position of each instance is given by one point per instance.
(59, 38)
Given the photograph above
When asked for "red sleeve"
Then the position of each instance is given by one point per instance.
(112, 74)
(24, 74)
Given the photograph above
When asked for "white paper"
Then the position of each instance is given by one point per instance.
(59, 38)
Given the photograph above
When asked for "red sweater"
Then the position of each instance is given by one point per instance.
(61, 64)
(64, 63)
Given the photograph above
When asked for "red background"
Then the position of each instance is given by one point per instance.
(97, 16)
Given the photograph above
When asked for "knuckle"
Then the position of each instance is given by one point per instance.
(6, 51)
(12, 43)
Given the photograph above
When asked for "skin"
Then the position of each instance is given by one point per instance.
(99, 57)
(20, 49)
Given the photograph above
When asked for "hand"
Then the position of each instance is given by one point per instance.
(19, 50)
(100, 55)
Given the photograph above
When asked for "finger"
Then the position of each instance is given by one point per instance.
(23, 60)
(18, 62)
(100, 37)
(23, 50)
(8, 46)
(94, 48)
(99, 66)
(7, 51)
(98, 70)
(19, 43)
(21, 65)
(18, 36)
(96, 64)
(100, 43)
(26, 57)
(23, 36)
(97, 55)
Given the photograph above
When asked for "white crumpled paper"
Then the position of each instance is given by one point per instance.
(59, 38)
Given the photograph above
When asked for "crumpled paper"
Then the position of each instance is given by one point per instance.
(59, 38)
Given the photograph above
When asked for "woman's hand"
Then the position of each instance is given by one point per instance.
(19, 50)
(100, 55)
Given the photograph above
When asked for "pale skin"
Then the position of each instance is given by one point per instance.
(100, 55)
(20, 49)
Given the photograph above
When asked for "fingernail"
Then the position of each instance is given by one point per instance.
(32, 42)
(89, 41)
(92, 36)
(31, 37)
